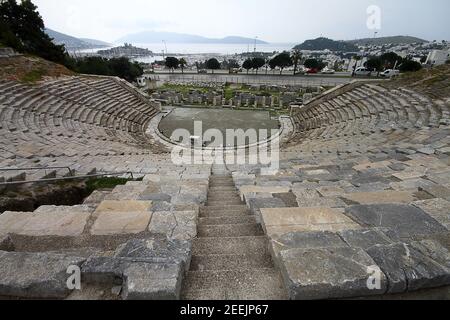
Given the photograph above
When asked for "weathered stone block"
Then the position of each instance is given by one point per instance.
(46, 221)
(305, 240)
(157, 250)
(367, 238)
(180, 225)
(279, 221)
(110, 223)
(406, 220)
(124, 206)
(150, 281)
(328, 273)
(380, 197)
(6, 243)
(407, 269)
(438, 209)
(437, 191)
(35, 275)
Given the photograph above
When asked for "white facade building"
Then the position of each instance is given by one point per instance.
(438, 57)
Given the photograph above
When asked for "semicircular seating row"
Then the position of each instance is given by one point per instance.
(73, 116)
(365, 115)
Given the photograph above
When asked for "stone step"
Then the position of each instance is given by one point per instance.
(222, 193)
(226, 214)
(230, 262)
(221, 189)
(224, 211)
(250, 284)
(226, 179)
(232, 192)
(230, 198)
(235, 245)
(221, 177)
(227, 219)
(230, 230)
(225, 202)
(221, 184)
(212, 181)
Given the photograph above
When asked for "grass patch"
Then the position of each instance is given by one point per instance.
(185, 89)
(33, 76)
(105, 183)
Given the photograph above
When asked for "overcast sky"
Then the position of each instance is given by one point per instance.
(271, 20)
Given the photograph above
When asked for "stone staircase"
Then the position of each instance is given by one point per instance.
(230, 257)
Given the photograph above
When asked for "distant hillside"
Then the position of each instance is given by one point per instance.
(325, 43)
(73, 43)
(157, 37)
(96, 43)
(396, 40)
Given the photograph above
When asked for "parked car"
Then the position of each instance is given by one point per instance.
(312, 71)
(328, 71)
(361, 71)
(202, 71)
(390, 73)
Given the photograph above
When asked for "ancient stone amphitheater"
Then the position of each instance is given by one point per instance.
(359, 208)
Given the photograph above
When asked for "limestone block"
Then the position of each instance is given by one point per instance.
(124, 206)
(116, 222)
(278, 221)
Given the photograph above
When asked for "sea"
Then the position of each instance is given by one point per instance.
(202, 49)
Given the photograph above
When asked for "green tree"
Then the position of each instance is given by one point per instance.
(375, 64)
(172, 63)
(213, 64)
(390, 60)
(410, 66)
(119, 67)
(247, 65)
(183, 64)
(296, 56)
(233, 64)
(257, 63)
(314, 64)
(123, 68)
(282, 61)
(22, 28)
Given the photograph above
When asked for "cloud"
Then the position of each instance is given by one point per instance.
(270, 20)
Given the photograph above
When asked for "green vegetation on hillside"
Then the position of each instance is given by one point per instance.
(22, 28)
(33, 76)
(120, 67)
(387, 40)
(325, 43)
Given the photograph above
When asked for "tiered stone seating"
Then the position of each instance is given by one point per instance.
(73, 116)
(149, 227)
(360, 206)
(364, 187)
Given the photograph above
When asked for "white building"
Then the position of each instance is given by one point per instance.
(438, 57)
